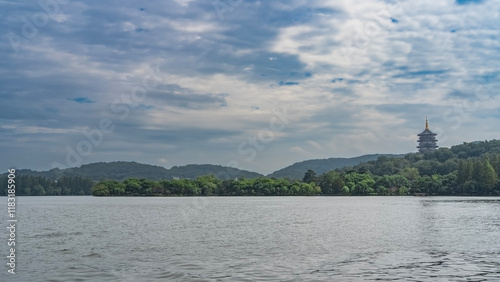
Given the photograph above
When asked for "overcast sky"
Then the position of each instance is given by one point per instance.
(254, 84)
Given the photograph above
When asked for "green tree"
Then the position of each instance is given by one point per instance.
(38, 190)
(309, 176)
(146, 187)
(381, 190)
(345, 191)
(471, 187)
(403, 191)
(331, 183)
(410, 173)
(361, 183)
(100, 190)
(427, 184)
(449, 184)
(208, 184)
(488, 177)
(465, 169)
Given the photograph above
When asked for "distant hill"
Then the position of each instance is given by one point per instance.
(297, 170)
(221, 172)
(468, 169)
(123, 170)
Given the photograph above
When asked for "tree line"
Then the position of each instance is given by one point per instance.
(29, 185)
(466, 169)
(207, 185)
(474, 177)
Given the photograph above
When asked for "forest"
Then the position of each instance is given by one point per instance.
(466, 169)
(121, 170)
(29, 185)
(207, 185)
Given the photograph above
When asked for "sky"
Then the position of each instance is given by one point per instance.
(257, 85)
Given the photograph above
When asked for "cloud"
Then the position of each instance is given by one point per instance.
(288, 83)
(355, 78)
(82, 100)
(411, 74)
(176, 96)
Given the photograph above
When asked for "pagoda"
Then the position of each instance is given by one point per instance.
(427, 139)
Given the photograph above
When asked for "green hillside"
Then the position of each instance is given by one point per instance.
(467, 169)
(194, 170)
(124, 170)
(297, 170)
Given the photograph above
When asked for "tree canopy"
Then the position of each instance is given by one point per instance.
(466, 169)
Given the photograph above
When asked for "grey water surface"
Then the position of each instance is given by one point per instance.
(255, 239)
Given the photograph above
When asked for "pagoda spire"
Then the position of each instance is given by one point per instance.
(426, 123)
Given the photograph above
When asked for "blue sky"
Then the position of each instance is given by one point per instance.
(257, 85)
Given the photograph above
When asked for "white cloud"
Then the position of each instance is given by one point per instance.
(356, 77)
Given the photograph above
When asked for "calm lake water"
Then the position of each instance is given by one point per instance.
(255, 239)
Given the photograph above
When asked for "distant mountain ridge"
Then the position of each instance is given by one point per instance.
(122, 170)
(320, 166)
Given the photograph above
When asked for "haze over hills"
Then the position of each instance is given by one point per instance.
(122, 170)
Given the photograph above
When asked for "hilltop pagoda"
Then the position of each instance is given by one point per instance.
(427, 139)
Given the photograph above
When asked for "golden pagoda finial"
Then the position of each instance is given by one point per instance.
(426, 123)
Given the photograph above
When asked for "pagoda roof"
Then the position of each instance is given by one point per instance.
(426, 132)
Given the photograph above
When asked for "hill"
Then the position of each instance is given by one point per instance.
(467, 169)
(123, 170)
(297, 170)
(192, 171)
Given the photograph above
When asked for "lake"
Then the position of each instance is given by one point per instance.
(255, 239)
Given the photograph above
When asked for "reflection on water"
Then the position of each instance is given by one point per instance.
(461, 200)
(257, 239)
